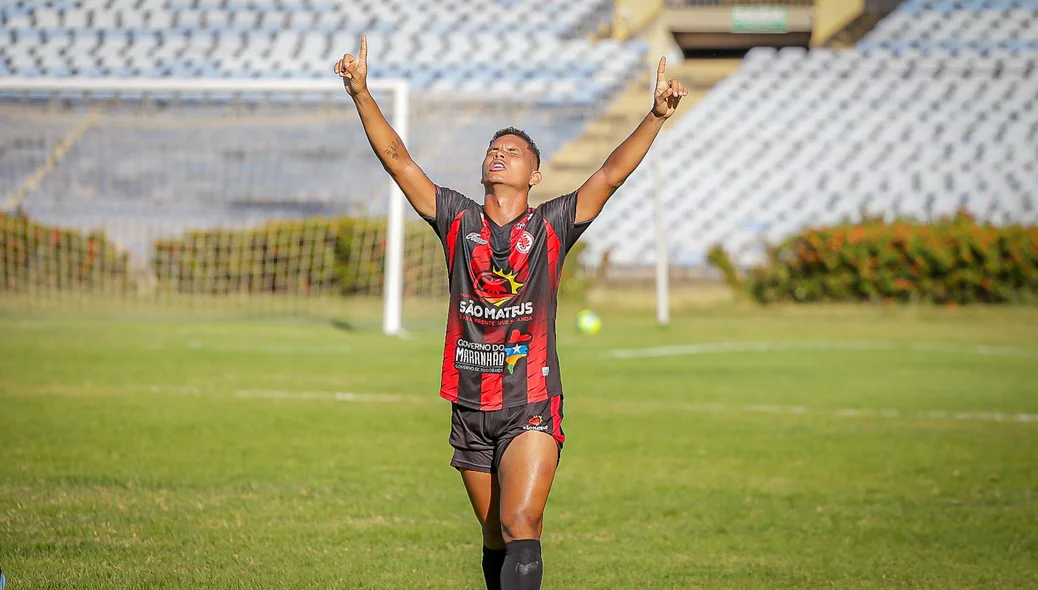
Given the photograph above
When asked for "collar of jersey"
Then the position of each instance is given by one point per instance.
(522, 217)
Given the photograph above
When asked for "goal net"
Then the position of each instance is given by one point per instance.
(260, 194)
(227, 196)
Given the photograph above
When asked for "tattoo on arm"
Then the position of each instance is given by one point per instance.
(392, 150)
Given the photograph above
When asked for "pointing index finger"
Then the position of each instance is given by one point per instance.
(661, 69)
(363, 47)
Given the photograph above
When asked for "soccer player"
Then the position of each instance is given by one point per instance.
(500, 367)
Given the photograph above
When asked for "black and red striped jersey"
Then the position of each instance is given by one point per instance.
(504, 283)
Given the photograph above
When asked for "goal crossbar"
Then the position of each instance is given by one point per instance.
(52, 84)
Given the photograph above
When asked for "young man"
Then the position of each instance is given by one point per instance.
(500, 367)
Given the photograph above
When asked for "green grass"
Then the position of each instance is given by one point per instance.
(214, 454)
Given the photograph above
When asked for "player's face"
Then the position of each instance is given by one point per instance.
(510, 162)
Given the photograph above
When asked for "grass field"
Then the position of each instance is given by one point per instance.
(825, 447)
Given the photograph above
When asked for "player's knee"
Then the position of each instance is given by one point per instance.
(492, 537)
(521, 524)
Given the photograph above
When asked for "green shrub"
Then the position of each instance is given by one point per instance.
(952, 261)
(575, 281)
(37, 255)
(313, 256)
(720, 259)
(343, 255)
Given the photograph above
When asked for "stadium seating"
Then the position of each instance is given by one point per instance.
(797, 138)
(936, 110)
(958, 24)
(463, 58)
(464, 49)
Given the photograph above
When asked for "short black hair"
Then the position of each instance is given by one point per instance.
(523, 136)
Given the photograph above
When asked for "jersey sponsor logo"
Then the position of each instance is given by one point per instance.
(475, 237)
(497, 286)
(479, 357)
(524, 243)
(475, 309)
(517, 348)
(485, 357)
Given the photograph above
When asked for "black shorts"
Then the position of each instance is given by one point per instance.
(480, 438)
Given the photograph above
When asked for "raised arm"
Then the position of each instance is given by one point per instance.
(387, 145)
(594, 193)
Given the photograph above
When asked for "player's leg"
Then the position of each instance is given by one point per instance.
(474, 459)
(484, 494)
(525, 475)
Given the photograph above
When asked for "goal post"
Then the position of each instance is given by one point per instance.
(220, 151)
(393, 291)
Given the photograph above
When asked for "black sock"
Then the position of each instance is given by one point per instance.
(523, 565)
(493, 559)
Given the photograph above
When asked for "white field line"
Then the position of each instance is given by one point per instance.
(721, 347)
(90, 388)
(214, 345)
(942, 415)
(282, 348)
(714, 408)
(339, 396)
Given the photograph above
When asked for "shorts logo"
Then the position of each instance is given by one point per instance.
(517, 347)
(474, 237)
(536, 423)
(524, 243)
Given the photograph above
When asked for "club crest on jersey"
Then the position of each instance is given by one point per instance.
(524, 243)
(497, 286)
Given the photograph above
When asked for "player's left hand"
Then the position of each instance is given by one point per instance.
(668, 93)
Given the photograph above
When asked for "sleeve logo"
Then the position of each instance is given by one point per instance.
(474, 237)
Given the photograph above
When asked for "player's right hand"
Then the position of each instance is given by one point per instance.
(354, 70)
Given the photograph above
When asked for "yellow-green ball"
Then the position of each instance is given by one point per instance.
(588, 322)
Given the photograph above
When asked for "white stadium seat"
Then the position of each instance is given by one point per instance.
(895, 142)
(437, 36)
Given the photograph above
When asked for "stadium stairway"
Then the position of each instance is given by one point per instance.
(13, 200)
(840, 24)
(579, 158)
